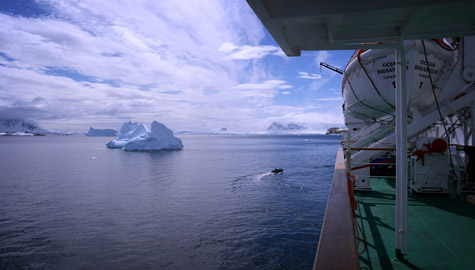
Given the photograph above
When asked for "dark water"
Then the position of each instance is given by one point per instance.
(69, 203)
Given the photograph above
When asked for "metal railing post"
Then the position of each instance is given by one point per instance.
(401, 152)
(348, 150)
(472, 118)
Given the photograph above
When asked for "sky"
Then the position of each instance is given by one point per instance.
(192, 65)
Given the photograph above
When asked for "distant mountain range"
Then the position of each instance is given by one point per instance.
(223, 131)
(28, 127)
(188, 132)
(10, 126)
(288, 128)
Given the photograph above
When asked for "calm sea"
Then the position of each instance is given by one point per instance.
(70, 203)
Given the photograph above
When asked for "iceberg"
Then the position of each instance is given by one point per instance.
(94, 132)
(128, 131)
(134, 136)
(21, 134)
(158, 138)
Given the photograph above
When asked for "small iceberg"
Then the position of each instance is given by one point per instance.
(134, 136)
(95, 132)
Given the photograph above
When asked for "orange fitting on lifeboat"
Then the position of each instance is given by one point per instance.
(438, 146)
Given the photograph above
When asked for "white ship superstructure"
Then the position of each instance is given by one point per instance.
(408, 102)
(440, 98)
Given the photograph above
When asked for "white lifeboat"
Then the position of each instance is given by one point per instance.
(369, 80)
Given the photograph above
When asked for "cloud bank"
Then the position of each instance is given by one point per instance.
(101, 63)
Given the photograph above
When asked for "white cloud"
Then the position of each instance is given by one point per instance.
(322, 56)
(247, 52)
(226, 47)
(104, 62)
(99, 62)
(270, 84)
(261, 94)
(316, 85)
(285, 93)
(306, 75)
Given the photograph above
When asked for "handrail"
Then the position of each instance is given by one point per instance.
(374, 148)
(371, 148)
(337, 244)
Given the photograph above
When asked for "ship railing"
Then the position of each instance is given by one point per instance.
(337, 247)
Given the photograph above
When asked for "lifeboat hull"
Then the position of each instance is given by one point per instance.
(369, 80)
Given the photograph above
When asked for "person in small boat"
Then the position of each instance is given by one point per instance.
(277, 170)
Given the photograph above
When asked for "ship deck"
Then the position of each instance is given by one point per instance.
(441, 230)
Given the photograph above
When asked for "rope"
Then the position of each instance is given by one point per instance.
(454, 125)
(354, 206)
(362, 114)
(438, 108)
(360, 100)
(469, 177)
(372, 82)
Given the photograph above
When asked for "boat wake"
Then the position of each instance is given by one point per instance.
(258, 177)
(242, 181)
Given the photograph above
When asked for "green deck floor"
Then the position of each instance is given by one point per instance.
(441, 230)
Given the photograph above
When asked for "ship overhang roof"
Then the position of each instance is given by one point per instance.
(303, 25)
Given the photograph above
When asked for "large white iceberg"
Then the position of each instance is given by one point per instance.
(134, 136)
(128, 131)
(158, 138)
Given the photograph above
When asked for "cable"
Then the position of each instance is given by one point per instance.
(364, 115)
(454, 125)
(438, 108)
(372, 82)
(360, 100)
(469, 178)
(351, 179)
(374, 85)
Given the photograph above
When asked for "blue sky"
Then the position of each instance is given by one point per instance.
(193, 65)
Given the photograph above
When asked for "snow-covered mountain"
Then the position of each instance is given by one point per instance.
(22, 125)
(289, 128)
(95, 132)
